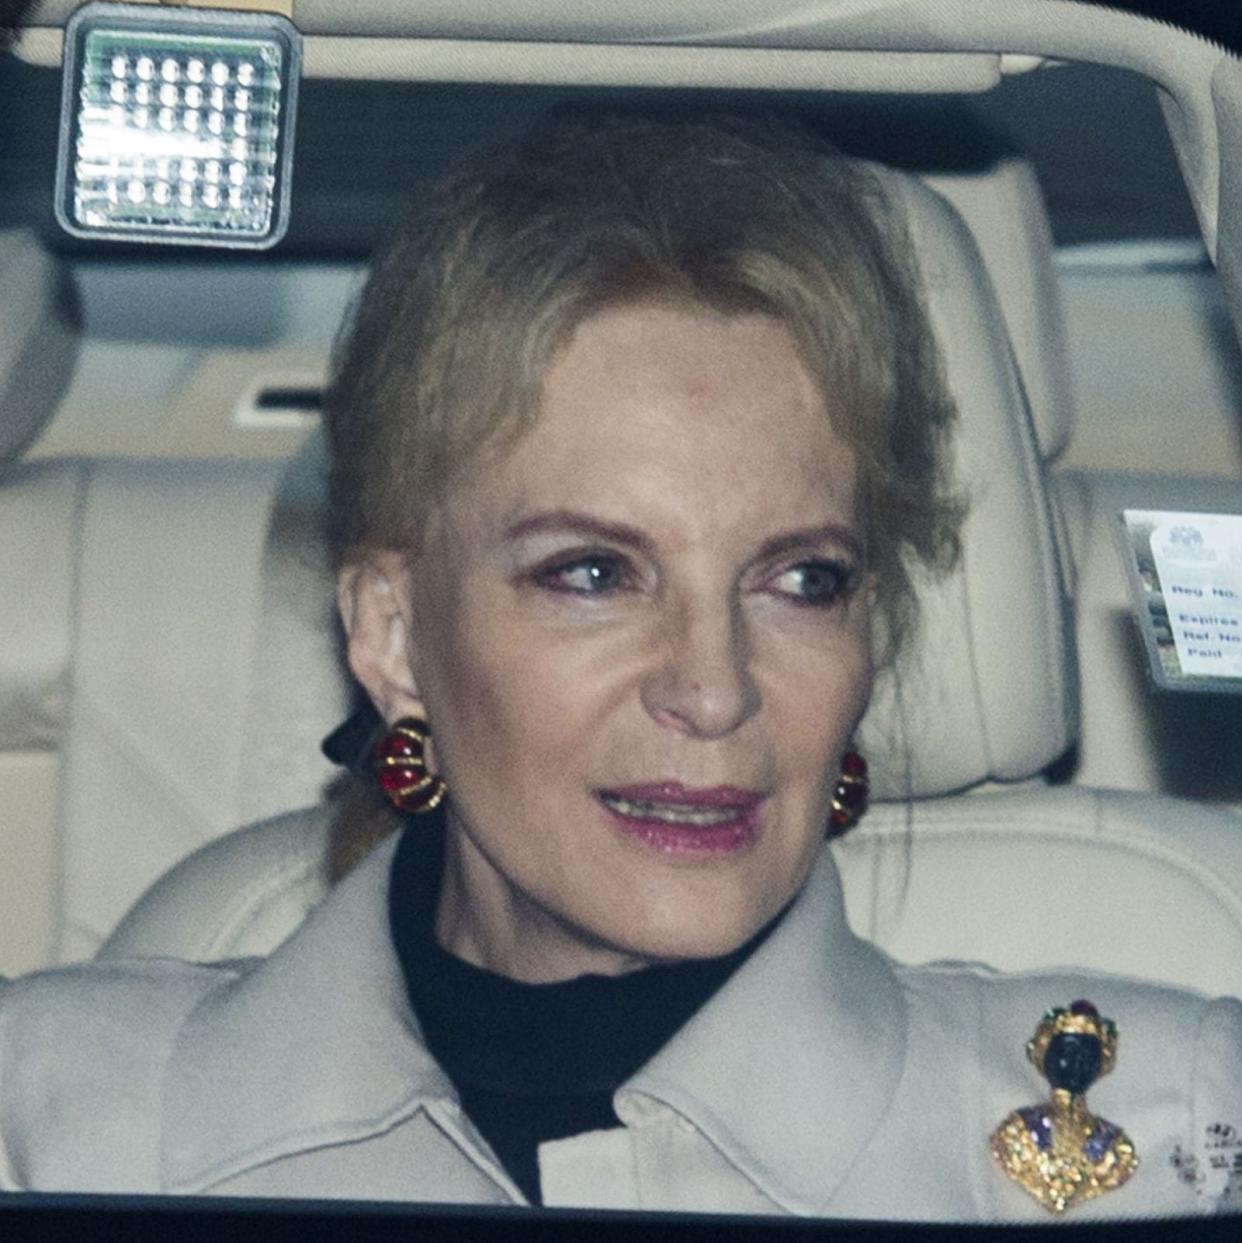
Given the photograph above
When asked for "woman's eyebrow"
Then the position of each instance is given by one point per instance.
(809, 537)
(572, 521)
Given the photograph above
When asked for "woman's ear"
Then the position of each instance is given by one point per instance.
(373, 596)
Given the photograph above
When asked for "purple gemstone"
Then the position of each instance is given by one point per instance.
(1084, 1008)
(1039, 1125)
(1096, 1144)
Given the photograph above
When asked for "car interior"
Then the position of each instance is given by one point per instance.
(169, 657)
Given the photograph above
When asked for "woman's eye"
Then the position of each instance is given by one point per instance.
(588, 576)
(815, 582)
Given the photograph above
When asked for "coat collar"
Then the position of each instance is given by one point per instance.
(790, 1068)
(787, 1070)
(316, 1045)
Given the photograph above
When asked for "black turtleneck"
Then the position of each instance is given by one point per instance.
(532, 1062)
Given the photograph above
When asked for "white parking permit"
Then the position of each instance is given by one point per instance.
(1185, 572)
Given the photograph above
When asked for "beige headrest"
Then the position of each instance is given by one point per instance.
(988, 690)
(39, 514)
(1003, 207)
(38, 341)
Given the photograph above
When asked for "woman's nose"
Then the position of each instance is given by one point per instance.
(703, 684)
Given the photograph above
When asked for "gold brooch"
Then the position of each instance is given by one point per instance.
(1059, 1151)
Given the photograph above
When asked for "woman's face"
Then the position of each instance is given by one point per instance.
(641, 640)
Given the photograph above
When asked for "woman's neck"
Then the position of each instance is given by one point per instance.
(485, 920)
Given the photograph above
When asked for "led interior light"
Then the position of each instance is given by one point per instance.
(157, 102)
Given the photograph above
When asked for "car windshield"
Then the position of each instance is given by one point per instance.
(1044, 800)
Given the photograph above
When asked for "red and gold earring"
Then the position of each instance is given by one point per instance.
(849, 799)
(401, 768)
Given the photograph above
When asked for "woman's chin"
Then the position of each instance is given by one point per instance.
(669, 892)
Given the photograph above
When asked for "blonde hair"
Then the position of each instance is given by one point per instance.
(443, 356)
(442, 359)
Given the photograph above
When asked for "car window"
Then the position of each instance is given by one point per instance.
(203, 369)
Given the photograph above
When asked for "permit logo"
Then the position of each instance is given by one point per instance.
(1185, 544)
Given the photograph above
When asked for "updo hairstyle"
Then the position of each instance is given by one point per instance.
(440, 364)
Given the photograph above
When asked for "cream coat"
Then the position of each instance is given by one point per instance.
(823, 1079)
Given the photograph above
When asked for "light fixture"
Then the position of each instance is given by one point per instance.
(177, 125)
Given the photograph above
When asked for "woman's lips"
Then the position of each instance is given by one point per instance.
(678, 819)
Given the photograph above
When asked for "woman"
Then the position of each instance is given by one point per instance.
(636, 432)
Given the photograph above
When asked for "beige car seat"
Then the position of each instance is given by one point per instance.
(38, 348)
(150, 672)
(1024, 876)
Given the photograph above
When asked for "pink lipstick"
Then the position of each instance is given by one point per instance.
(678, 819)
